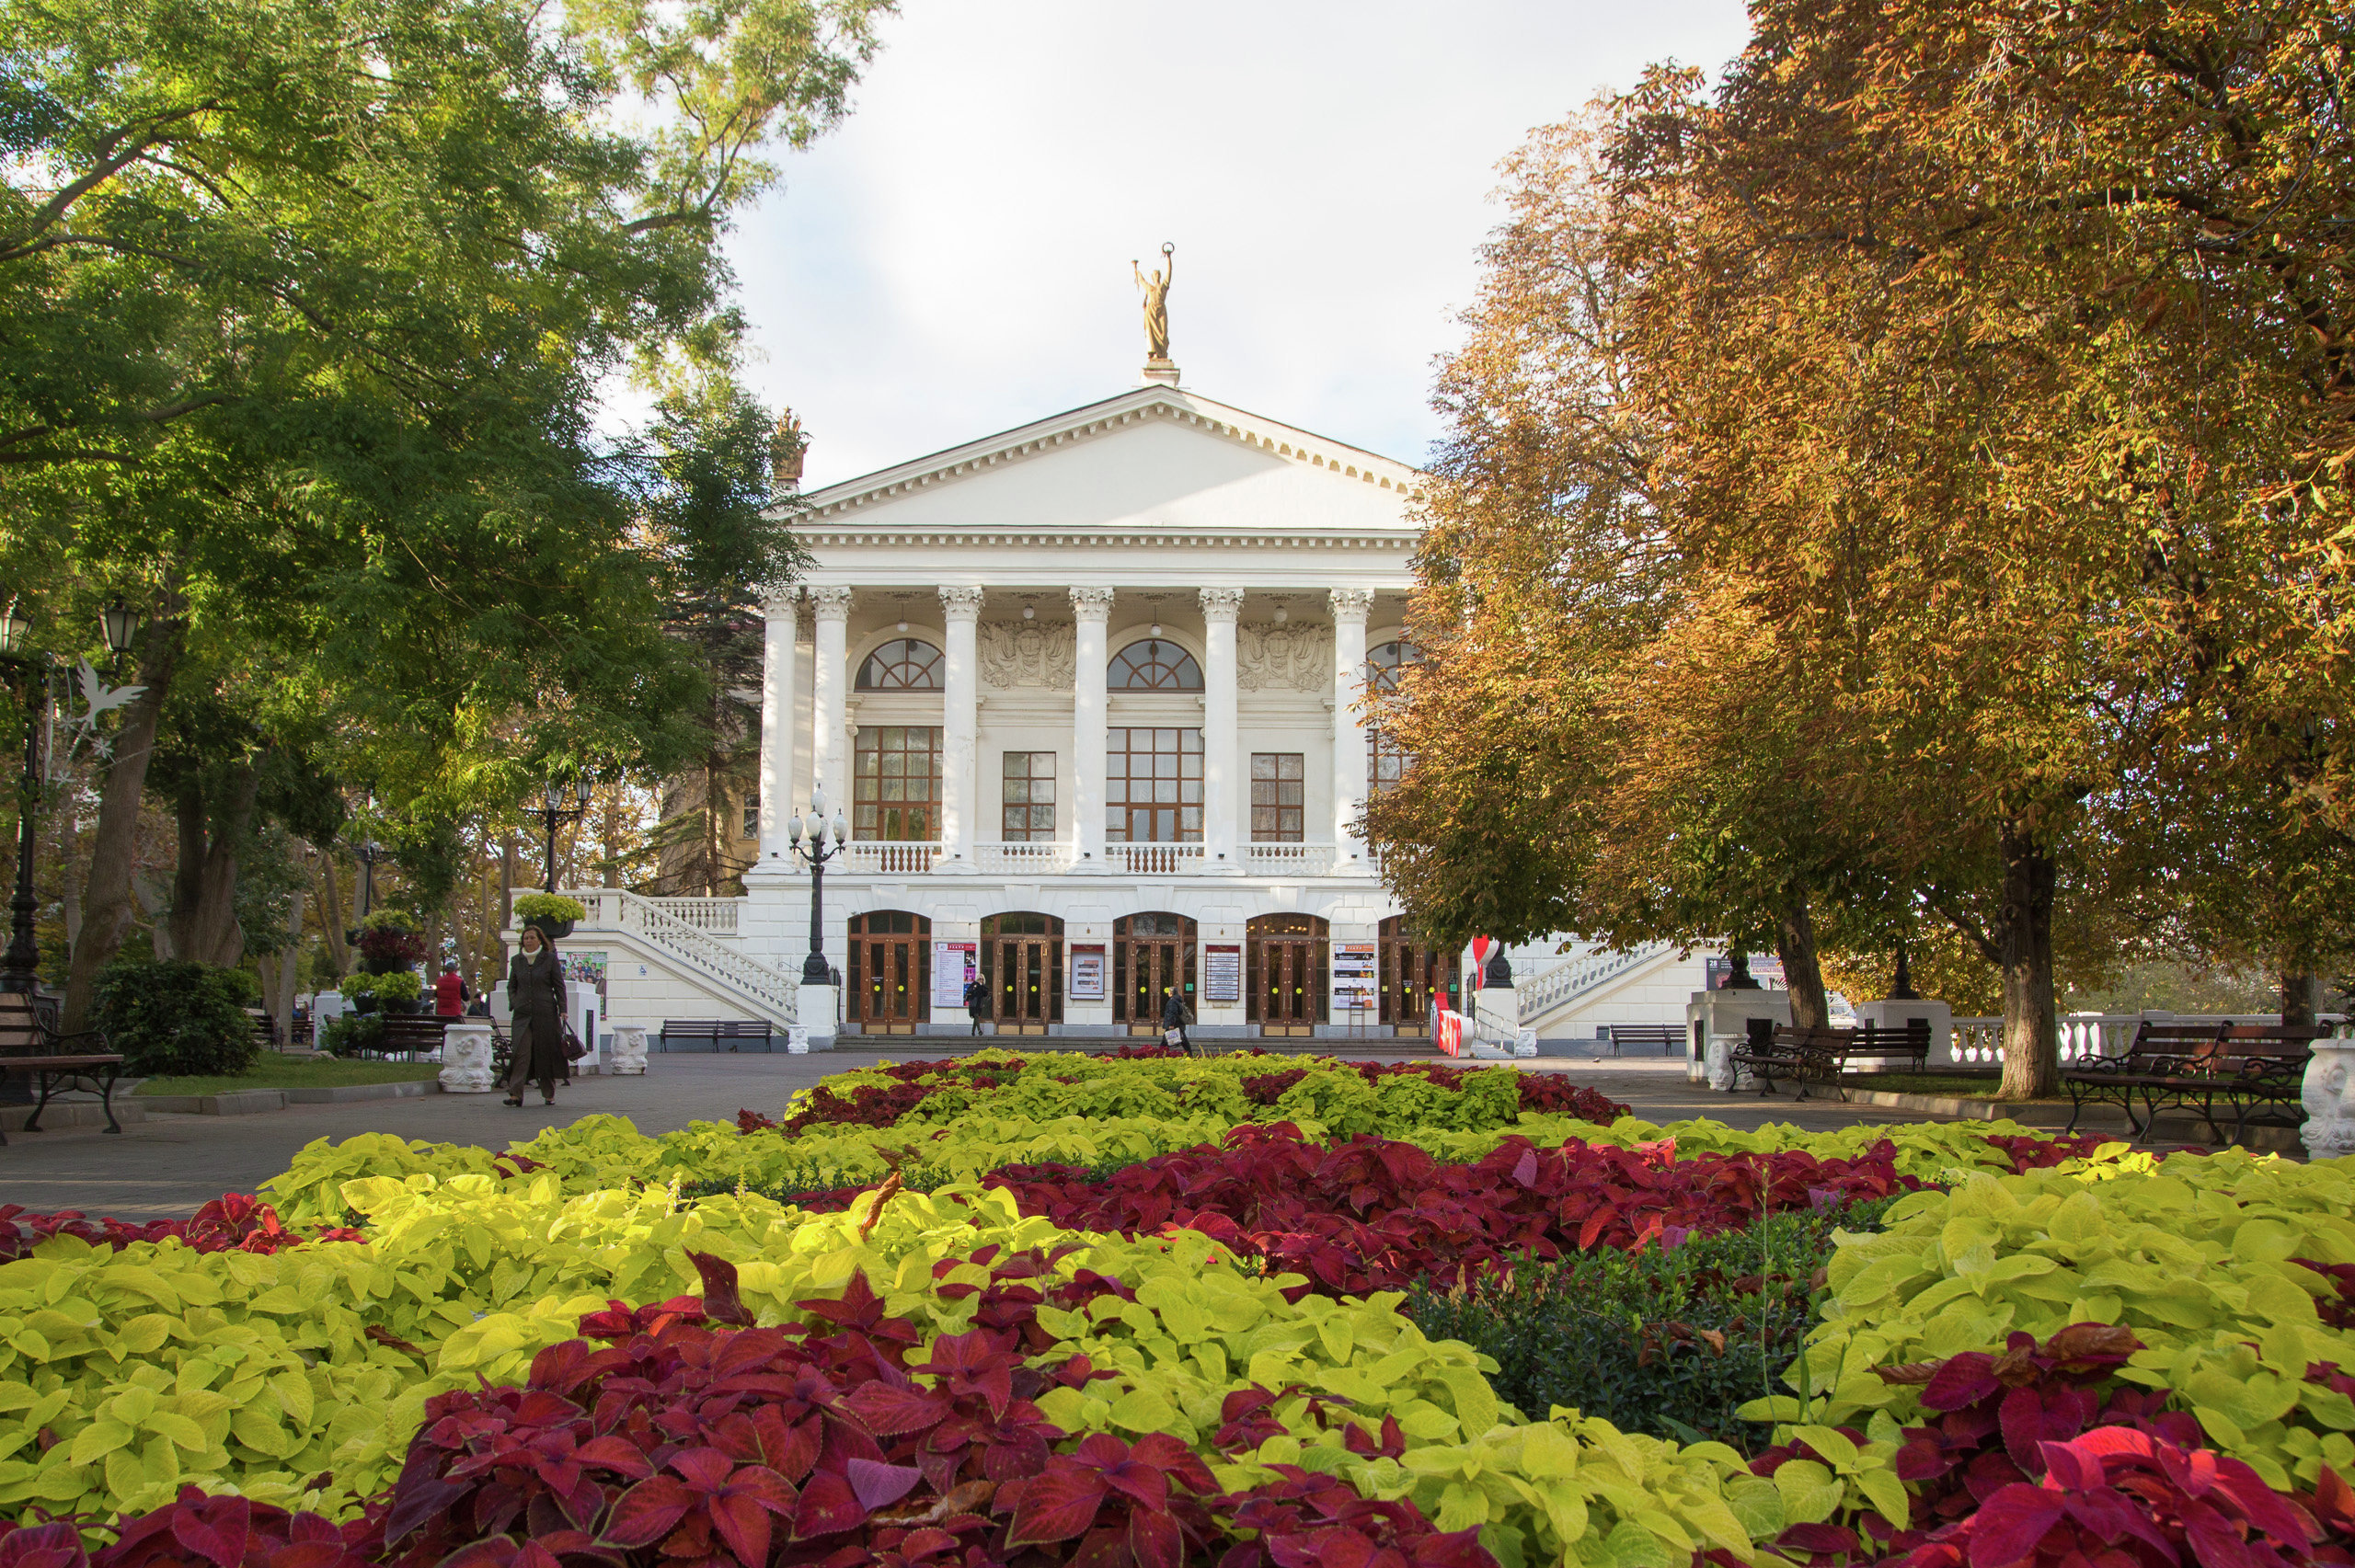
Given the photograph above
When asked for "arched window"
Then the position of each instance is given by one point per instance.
(1154, 664)
(1384, 664)
(903, 664)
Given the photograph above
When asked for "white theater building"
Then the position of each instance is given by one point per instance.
(1085, 696)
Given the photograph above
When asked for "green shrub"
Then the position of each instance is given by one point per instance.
(352, 1033)
(1667, 1342)
(549, 905)
(176, 1017)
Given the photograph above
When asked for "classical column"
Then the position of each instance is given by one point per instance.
(776, 728)
(829, 747)
(960, 736)
(1091, 608)
(1350, 606)
(1221, 769)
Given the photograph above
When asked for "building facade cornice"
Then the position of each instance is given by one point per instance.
(836, 503)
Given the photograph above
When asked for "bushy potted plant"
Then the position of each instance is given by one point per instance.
(398, 991)
(554, 914)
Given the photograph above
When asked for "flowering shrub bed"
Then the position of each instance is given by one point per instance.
(1149, 1310)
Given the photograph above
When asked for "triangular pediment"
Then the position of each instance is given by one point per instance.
(1155, 457)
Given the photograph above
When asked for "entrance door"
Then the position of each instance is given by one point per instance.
(1022, 963)
(1152, 955)
(1413, 977)
(890, 973)
(1287, 957)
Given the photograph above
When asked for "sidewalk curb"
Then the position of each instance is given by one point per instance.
(2052, 1118)
(252, 1101)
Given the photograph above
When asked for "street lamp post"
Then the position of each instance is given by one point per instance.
(816, 852)
(367, 855)
(20, 967)
(554, 811)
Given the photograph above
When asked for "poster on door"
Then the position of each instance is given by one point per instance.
(586, 970)
(1221, 975)
(953, 963)
(1355, 977)
(1086, 971)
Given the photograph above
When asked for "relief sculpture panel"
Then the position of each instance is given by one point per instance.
(1040, 654)
(1288, 657)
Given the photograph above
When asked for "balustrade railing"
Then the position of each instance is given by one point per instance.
(1290, 859)
(1979, 1042)
(694, 947)
(1019, 859)
(885, 857)
(1551, 987)
(1155, 860)
(714, 915)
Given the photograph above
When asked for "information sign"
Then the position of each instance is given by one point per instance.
(1354, 977)
(953, 963)
(1222, 974)
(1086, 971)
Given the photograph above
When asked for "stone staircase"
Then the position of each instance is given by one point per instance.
(1545, 997)
(691, 949)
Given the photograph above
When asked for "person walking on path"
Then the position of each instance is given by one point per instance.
(450, 993)
(537, 999)
(977, 1001)
(1173, 1021)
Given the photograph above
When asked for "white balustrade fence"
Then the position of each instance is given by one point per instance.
(1979, 1042)
(1290, 859)
(882, 857)
(1155, 860)
(1033, 859)
(692, 947)
(1552, 987)
(714, 915)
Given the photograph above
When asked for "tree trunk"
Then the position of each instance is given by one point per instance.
(1802, 971)
(106, 897)
(507, 856)
(2298, 989)
(2023, 938)
(331, 914)
(204, 892)
(279, 995)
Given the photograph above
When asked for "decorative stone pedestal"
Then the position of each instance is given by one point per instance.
(814, 1010)
(630, 1049)
(1725, 1015)
(2329, 1097)
(1896, 1014)
(466, 1059)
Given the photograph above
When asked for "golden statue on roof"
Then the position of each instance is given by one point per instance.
(1156, 303)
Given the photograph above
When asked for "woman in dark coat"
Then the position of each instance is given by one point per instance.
(538, 1002)
(1173, 1019)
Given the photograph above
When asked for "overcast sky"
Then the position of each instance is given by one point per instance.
(954, 260)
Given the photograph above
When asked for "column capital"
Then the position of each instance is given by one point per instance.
(1222, 604)
(1093, 605)
(781, 602)
(1351, 603)
(960, 603)
(833, 603)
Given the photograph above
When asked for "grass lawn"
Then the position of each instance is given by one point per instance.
(1962, 1084)
(272, 1071)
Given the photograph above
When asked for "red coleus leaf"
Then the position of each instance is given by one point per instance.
(720, 1301)
(1055, 1506)
(649, 1511)
(216, 1533)
(828, 1507)
(880, 1485)
(44, 1546)
(2009, 1526)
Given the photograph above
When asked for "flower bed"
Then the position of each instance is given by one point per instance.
(1152, 1311)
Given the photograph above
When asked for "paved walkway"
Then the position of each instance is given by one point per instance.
(170, 1165)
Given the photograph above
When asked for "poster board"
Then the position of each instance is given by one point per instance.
(1355, 977)
(1222, 974)
(1086, 971)
(953, 963)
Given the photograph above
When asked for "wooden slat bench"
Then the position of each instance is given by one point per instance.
(410, 1034)
(2249, 1069)
(1668, 1037)
(1822, 1055)
(30, 1044)
(735, 1031)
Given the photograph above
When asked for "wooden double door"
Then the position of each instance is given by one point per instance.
(1286, 960)
(1152, 954)
(1022, 964)
(890, 972)
(1416, 976)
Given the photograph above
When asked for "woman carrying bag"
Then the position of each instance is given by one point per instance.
(1173, 1021)
(537, 999)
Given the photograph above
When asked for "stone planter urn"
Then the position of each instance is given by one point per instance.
(2329, 1096)
(550, 927)
(465, 1058)
(629, 1050)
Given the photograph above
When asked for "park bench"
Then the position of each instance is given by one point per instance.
(2248, 1070)
(31, 1043)
(711, 1031)
(1668, 1037)
(411, 1034)
(1823, 1054)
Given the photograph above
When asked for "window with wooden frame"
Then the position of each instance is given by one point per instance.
(1027, 814)
(1278, 796)
(1153, 786)
(895, 783)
